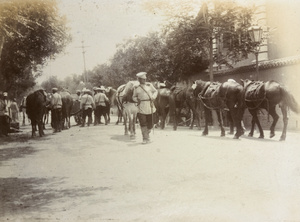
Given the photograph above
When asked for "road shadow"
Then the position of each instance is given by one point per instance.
(26, 195)
(15, 152)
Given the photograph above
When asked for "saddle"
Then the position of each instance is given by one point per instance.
(211, 90)
(255, 91)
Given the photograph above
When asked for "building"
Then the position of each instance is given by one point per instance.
(278, 57)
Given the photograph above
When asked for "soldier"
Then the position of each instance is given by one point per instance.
(144, 94)
(56, 112)
(100, 102)
(87, 105)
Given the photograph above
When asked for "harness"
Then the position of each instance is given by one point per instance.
(212, 96)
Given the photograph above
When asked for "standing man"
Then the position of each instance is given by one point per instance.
(145, 94)
(100, 102)
(87, 105)
(56, 105)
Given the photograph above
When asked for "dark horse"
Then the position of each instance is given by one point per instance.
(35, 110)
(217, 96)
(266, 95)
(181, 97)
(67, 103)
(111, 95)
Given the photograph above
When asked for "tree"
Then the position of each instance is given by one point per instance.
(32, 31)
(225, 24)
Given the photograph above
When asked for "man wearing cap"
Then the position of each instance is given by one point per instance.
(100, 102)
(87, 105)
(144, 94)
(56, 113)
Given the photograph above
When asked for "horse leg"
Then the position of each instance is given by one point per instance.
(256, 120)
(125, 122)
(206, 113)
(33, 128)
(220, 122)
(272, 112)
(285, 121)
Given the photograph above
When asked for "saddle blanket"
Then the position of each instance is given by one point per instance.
(255, 91)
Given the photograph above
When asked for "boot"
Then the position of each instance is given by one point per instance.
(145, 134)
(83, 123)
(90, 120)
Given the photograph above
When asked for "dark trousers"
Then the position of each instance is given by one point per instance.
(4, 125)
(56, 119)
(100, 111)
(145, 120)
(87, 113)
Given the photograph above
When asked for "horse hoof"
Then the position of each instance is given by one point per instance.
(222, 134)
(282, 139)
(230, 133)
(261, 137)
(204, 134)
(272, 135)
(250, 135)
(235, 137)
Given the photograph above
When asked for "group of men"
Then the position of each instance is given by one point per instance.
(98, 102)
(144, 95)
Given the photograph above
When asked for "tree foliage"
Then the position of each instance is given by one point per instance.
(32, 31)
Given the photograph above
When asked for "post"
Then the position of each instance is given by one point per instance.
(257, 71)
(211, 60)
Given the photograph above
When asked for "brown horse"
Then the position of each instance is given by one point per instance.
(127, 106)
(35, 110)
(67, 103)
(266, 95)
(217, 96)
(183, 97)
(111, 95)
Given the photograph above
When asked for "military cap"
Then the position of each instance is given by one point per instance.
(141, 75)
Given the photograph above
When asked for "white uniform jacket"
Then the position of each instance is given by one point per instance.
(145, 95)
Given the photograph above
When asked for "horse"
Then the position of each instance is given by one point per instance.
(111, 95)
(218, 96)
(162, 105)
(35, 110)
(67, 103)
(127, 106)
(180, 98)
(266, 95)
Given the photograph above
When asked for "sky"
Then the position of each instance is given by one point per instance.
(101, 25)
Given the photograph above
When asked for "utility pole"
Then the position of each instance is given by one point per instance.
(84, 65)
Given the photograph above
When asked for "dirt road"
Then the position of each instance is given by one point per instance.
(98, 174)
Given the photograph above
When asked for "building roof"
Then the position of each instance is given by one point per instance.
(269, 64)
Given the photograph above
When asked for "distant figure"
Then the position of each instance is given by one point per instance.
(4, 123)
(87, 105)
(23, 109)
(56, 110)
(14, 111)
(100, 102)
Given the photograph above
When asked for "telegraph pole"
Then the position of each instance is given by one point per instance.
(84, 65)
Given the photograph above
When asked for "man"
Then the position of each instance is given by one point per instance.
(4, 123)
(87, 105)
(100, 102)
(56, 106)
(145, 94)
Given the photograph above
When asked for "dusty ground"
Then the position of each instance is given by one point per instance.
(98, 174)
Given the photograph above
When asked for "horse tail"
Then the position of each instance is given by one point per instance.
(289, 100)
